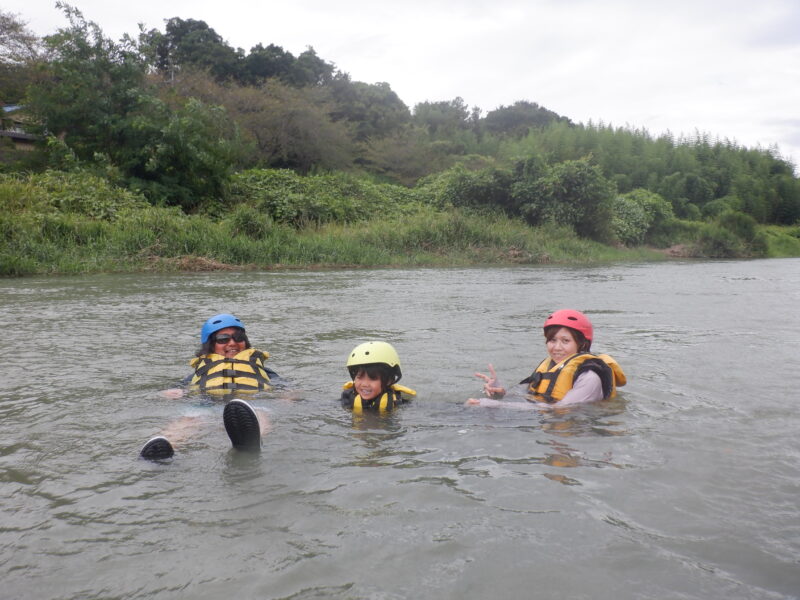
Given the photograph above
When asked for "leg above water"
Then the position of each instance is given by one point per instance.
(157, 448)
(242, 425)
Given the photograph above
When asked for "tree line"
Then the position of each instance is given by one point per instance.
(174, 114)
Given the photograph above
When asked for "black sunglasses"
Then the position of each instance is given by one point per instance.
(224, 338)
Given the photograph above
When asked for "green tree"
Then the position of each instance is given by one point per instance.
(787, 209)
(698, 189)
(92, 84)
(642, 216)
(18, 44)
(284, 126)
(263, 63)
(519, 118)
(719, 205)
(630, 222)
(572, 193)
(404, 156)
(185, 156)
(290, 127)
(310, 69)
(372, 110)
(20, 51)
(753, 192)
(484, 188)
(97, 100)
(442, 118)
(732, 234)
(191, 43)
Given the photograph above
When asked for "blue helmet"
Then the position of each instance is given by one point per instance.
(216, 323)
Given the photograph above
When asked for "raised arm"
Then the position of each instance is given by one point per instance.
(491, 386)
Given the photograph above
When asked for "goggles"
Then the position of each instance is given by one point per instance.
(224, 338)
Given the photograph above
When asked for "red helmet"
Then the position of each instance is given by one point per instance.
(573, 319)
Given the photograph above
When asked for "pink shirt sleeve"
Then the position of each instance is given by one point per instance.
(587, 388)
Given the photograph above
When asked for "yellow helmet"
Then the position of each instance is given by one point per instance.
(374, 353)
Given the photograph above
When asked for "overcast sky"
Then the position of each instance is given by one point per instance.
(729, 68)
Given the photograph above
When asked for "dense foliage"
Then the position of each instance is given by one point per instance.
(95, 99)
(285, 197)
(54, 222)
(265, 139)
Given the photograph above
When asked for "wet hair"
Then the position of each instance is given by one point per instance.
(584, 345)
(375, 371)
(208, 347)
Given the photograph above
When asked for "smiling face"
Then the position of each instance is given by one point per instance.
(561, 344)
(225, 341)
(368, 383)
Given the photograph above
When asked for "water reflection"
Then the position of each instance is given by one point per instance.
(586, 420)
(562, 479)
(374, 433)
(372, 421)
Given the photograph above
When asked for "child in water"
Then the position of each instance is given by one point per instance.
(570, 374)
(374, 370)
(224, 364)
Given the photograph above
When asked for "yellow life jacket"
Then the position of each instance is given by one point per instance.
(217, 374)
(551, 381)
(387, 401)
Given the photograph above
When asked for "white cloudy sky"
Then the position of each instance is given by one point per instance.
(729, 68)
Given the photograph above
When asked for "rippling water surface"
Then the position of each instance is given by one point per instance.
(685, 486)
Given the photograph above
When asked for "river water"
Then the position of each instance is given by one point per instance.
(685, 486)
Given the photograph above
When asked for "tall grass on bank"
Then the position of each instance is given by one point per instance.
(164, 239)
(69, 223)
(783, 242)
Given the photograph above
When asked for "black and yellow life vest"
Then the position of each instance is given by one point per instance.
(217, 373)
(386, 401)
(551, 381)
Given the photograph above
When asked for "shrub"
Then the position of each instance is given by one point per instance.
(740, 224)
(715, 241)
(75, 192)
(642, 216)
(684, 209)
(13, 265)
(782, 241)
(720, 205)
(572, 193)
(289, 198)
(461, 187)
(732, 235)
(745, 227)
(246, 220)
(630, 221)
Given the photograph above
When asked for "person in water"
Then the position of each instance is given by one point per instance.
(226, 361)
(374, 369)
(570, 374)
(224, 364)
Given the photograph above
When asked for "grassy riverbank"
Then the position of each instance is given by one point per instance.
(165, 240)
(70, 223)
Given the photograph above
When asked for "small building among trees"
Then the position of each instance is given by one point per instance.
(12, 127)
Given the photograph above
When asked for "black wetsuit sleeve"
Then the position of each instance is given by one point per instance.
(276, 380)
(348, 397)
